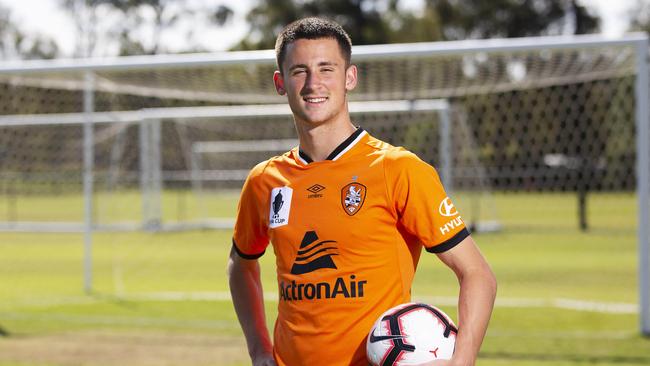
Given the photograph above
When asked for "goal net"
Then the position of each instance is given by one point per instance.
(540, 138)
(171, 168)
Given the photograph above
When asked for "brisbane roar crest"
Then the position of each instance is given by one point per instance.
(352, 197)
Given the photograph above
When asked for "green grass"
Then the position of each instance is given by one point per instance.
(177, 205)
(540, 256)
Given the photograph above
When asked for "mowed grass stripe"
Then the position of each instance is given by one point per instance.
(560, 303)
(585, 283)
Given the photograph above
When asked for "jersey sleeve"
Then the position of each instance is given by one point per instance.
(250, 237)
(421, 204)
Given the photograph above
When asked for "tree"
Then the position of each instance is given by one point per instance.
(17, 44)
(383, 21)
(462, 19)
(135, 27)
(585, 21)
(363, 19)
(87, 26)
(640, 17)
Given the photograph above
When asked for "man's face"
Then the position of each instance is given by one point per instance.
(315, 79)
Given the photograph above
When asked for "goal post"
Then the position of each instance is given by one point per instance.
(642, 121)
(429, 127)
(522, 112)
(151, 178)
(88, 181)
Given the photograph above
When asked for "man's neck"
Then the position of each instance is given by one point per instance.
(319, 141)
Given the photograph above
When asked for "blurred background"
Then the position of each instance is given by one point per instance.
(37, 29)
(127, 128)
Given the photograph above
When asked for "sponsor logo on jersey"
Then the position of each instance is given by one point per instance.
(451, 225)
(447, 208)
(315, 191)
(314, 254)
(280, 206)
(338, 288)
(352, 197)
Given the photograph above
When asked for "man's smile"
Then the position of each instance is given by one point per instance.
(314, 100)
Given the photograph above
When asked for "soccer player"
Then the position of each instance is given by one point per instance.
(347, 216)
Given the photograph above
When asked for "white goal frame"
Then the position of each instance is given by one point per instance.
(151, 175)
(639, 41)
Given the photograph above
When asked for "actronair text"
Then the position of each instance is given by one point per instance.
(322, 290)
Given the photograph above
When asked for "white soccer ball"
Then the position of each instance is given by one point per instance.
(411, 334)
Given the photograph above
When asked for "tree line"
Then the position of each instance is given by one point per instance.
(134, 27)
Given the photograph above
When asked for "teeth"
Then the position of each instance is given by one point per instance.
(315, 100)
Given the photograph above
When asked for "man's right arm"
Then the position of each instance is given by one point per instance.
(247, 297)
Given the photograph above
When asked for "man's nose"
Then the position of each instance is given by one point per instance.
(312, 80)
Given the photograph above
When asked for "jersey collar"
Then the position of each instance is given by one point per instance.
(344, 147)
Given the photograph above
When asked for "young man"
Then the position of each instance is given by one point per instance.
(347, 215)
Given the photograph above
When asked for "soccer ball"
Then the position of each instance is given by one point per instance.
(411, 334)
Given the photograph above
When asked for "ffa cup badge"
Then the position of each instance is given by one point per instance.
(352, 197)
(280, 206)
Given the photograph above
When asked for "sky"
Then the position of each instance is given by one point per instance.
(46, 17)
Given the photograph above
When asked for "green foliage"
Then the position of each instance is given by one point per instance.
(367, 21)
(16, 43)
(377, 21)
(640, 17)
(130, 20)
(511, 18)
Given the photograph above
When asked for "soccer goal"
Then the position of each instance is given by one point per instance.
(134, 151)
(545, 136)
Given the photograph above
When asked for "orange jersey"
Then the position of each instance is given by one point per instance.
(347, 234)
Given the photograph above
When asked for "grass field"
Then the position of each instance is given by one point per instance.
(565, 297)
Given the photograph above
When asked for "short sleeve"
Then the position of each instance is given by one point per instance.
(422, 206)
(250, 237)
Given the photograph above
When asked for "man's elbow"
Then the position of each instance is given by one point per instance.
(238, 267)
(234, 265)
(230, 268)
(483, 277)
(490, 280)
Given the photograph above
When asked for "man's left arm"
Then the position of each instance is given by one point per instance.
(475, 302)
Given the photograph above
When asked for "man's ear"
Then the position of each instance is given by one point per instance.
(351, 77)
(278, 81)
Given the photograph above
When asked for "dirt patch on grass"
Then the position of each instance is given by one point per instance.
(115, 348)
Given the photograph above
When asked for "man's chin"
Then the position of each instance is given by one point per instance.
(314, 120)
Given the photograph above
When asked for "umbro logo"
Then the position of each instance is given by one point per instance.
(315, 191)
(314, 254)
(315, 188)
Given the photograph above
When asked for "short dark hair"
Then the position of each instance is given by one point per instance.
(312, 28)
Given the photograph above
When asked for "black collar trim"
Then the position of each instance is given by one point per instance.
(344, 146)
(304, 156)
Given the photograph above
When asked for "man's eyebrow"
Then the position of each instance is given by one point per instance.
(303, 66)
(298, 66)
